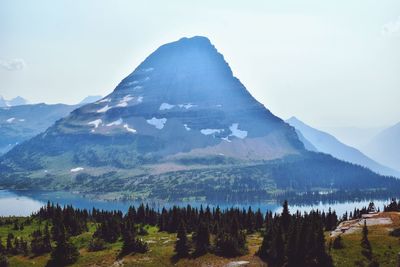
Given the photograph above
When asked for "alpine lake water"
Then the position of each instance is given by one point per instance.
(24, 203)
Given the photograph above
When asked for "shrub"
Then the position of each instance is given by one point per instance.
(337, 243)
(97, 244)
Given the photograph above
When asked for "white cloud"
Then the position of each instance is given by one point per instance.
(12, 64)
(392, 27)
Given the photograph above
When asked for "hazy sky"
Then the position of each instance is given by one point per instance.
(330, 63)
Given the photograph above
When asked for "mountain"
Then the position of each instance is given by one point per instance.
(356, 137)
(385, 147)
(17, 101)
(326, 143)
(90, 99)
(21, 123)
(179, 126)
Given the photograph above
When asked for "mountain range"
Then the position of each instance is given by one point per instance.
(179, 126)
(20, 123)
(316, 140)
(17, 101)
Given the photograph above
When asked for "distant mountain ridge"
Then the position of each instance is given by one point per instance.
(16, 101)
(90, 99)
(179, 126)
(326, 143)
(385, 147)
(20, 123)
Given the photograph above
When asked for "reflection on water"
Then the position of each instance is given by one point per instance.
(23, 203)
(13, 204)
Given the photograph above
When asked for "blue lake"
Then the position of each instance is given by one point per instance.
(23, 203)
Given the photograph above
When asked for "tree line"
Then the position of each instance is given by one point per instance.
(288, 239)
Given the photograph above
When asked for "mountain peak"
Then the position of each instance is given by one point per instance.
(16, 101)
(185, 54)
(195, 39)
(293, 119)
(185, 70)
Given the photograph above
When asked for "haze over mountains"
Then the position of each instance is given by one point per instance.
(316, 140)
(385, 147)
(19, 123)
(180, 125)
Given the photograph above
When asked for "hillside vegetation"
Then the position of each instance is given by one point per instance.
(235, 238)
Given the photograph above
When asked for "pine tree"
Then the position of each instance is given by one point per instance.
(24, 247)
(132, 244)
(128, 245)
(259, 220)
(365, 244)
(278, 248)
(202, 239)
(9, 243)
(65, 252)
(181, 245)
(4, 260)
(322, 259)
(265, 248)
(231, 242)
(2, 248)
(250, 221)
(16, 226)
(291, 251)
(17, 246)
(46, 240)
(285, 217)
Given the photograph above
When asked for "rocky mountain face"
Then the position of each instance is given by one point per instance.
(182, 101)
(180, 125)
(316, 140)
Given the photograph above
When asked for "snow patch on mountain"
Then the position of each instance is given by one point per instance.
(104, 109)
(124, 101)
(211, 131)
(166, 106)
(77, 169)
(226, 139)
(132, 83)
(96, 123)
(131, 130)
(236, 132)
(115, 123)
(127, 98)
(187, 106)
(105, 100)
(158, 123)
(122, 104)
